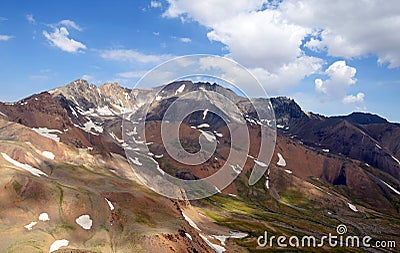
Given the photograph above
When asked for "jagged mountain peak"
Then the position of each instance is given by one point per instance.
(78, 83)
(111, 85)
(287, 111)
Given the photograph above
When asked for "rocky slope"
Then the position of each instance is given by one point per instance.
(63, 153)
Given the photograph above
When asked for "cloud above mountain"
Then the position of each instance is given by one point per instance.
(60, 37)
(278, 40)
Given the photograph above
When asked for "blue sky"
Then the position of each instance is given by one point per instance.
(332, 57)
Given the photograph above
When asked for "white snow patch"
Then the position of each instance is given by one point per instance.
(326, 150)
(397, 160)
(30, 225)
(88, 126)
(133, 149)
(74, 100)
(134, 132)
(391, 187)
(268, 122)
(216, 247)
(159, 156)
(280, 126)
(288, 171)
(236, 169)
(232, 195)
(158, 98)
(252, 121)
(281, 161)
(235, 235)
(73, 111)
(85, 113)
(136, 141)
(122, 110)
(267, 183)
(127, 97)
(205, 114)
(48, 155)
(191, 223)
(109, 204)
(221, 238)
(180, 89)
(84, 221)
(189, 236)
(218, 134)
(44, 217)
(49, 133)
(160, 170)
(209, 136)
(56, 245)
(378, 146)
(352, 207)
(158, 166)
(26, 167)
(104, 111)
(116, 138)
(136, 161)
(203, 125)
(260, 163)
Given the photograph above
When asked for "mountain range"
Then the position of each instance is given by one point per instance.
(68, 186)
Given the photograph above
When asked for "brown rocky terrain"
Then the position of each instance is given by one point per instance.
(63, 154)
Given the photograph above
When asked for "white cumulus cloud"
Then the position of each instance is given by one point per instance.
(209, 13)
(350, 28)
(354, 99)
(5, 37)
(287, 75)
(270, 37)
(340, 77)
(59, 38)
(256, 35)
(185, 40)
